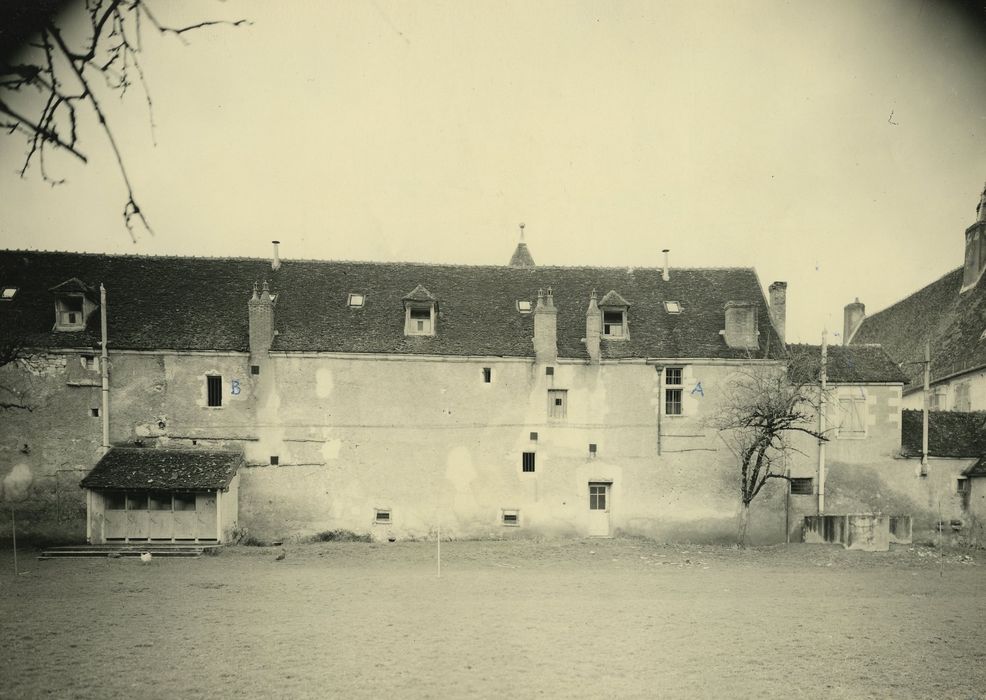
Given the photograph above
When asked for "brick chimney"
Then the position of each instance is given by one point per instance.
(975, 247)
(593, 328)
(741, 325)
(545, 328)
(261, 309)
(778, 308)
(853, 315)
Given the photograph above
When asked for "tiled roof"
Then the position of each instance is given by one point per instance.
(201, 304)
(152, 469)
(613, 298)
(853, 364)
(977, 469)
(419, 294)
(950, 433)
(953, 323)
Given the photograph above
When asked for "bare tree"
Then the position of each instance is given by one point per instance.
(764, 410)
(17, 391)
(44, 90)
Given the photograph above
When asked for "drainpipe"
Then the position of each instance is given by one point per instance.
(924, 417)
(104, 369)
(821, 424)
(660, 402)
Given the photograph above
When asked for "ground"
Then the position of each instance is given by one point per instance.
(582, 618)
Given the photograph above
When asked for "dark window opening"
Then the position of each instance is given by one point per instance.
(549, 371)
(159, 501)
(672, 376)
(254, 369)
(511, 517)
(592, 448)
(136, 501)
(94, 412)
(184, 501)
(613, 324)
(528, 462)
(214, 387)
(487, 374)
(802, 487)
(115, 501)
(534, 436)
(597, 496)
(274, 459)
(672, 404)
(382, 516)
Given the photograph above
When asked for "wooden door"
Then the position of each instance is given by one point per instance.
(599, 505)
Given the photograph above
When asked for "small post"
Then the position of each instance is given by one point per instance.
(941, 549)
(13, 528)
(927, 402)
(821, 423)
(439, 550)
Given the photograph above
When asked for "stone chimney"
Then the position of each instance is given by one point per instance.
(545, 328)
(261, 308)
(593, 328)
(741, 325)
(975, 247)
(778, 308)
(666, 272)
(275, 263)
(853, 315)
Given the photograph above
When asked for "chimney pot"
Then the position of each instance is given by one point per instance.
(854, 314)
(665, 273)
(275, 263)
(778, 308)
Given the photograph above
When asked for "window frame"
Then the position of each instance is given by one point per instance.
(802, 481)
(210, 381)
(674, 391)
(387, 520)
(4, 296)
(528, 463)
(624, 331)
(410, 321)
(62, 312)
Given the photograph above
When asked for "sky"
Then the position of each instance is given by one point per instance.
(838, 146)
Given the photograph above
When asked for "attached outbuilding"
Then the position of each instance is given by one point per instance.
(158, 495)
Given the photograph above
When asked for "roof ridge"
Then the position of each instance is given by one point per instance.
(244, 258)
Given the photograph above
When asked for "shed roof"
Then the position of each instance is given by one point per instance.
(853, 364)
(153, 469)
(950, 433)
(182, 303)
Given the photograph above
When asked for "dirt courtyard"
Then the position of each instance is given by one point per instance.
(583, 618)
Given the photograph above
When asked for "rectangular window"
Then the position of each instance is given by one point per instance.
(356, 301)
(184, 501)
(159, 500)
(511, 518)
(70, 312)
(254, 369)
(528, 462)
(89, 362)
(420, 321)
(802, 487)
(961, 485)
(557, 403)
(672, 392)
(274, 460)
(852, 411)
(115, 501)
(487, 374)
(214, 388)
(94, 412)
(597, 496)
(534, 437)
(613, 324)
(382, 515)
(9, 293)
(672, 307)
(136, 501)
(592, 449)
(549, 371)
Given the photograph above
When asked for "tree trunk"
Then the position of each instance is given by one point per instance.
(744, 522)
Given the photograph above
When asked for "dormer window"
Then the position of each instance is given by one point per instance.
(70, 313)
(420, 312)
(614, 310)
(8, 293)
(356, 301)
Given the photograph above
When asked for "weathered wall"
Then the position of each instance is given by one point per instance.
(956, 398)
(49, 444)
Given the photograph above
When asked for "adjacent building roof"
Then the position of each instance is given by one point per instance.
(201, 304)
(953, 323)
(138, 468)
(950, 433)
(854, 364)
(977, 469)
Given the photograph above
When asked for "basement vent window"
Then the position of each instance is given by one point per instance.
(672, 307)
(214, 390)
(524, 306)
(254, 369)
(527, 464)
(8, 294)
(487, 374)
(274, 460)
(511, 518)
(802, 487)
(534, 437)
(382, 516)
(356, 301)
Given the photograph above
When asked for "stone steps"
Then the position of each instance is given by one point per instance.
(131, 549)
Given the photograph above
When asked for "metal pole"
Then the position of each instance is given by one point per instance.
(821, 423)
(439, 550)
(927, 401)
(104, 368)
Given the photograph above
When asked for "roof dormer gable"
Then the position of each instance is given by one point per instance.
(420, 312)
(614, 316)
(74, 301)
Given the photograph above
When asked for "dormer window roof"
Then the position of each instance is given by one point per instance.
(7, 293)
(74, 301)
(614, 311)
(420, 312)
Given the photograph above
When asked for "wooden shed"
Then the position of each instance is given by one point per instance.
(158, 495)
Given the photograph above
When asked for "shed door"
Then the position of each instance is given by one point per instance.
(599, 509)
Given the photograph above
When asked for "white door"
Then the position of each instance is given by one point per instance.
(598, 510)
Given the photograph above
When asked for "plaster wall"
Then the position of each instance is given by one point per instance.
(976, 382)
